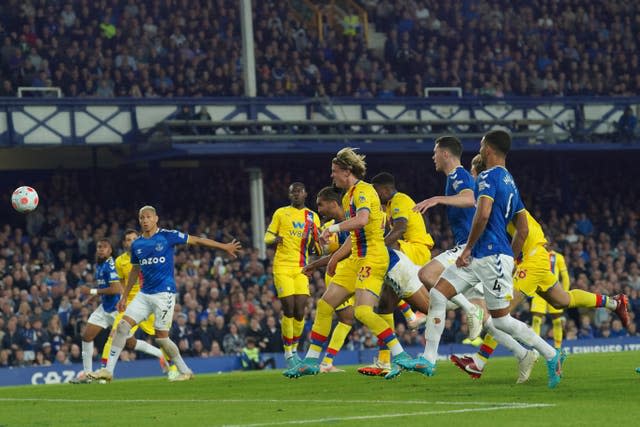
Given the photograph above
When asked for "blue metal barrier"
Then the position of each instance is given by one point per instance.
(46, 121)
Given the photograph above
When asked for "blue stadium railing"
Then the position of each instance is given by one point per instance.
(90, 121)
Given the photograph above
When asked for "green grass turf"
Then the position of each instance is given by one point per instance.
(597, 389)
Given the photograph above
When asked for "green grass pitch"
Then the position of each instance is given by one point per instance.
(597, 389)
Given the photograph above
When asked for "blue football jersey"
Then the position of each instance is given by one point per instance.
(459, 218)
(105, 274)
(497, 184)
(155, 257)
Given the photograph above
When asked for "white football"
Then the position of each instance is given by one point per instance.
(24, 199)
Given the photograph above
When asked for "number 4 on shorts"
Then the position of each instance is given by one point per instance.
(496, 286)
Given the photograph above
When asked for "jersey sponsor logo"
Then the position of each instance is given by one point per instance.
(153, 260)
(297, 224)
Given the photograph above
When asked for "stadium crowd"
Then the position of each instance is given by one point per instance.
(45, 256)
(152, 48)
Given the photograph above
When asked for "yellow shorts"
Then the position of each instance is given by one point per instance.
(418, 253)
(290, 281)
(346, 274)
(146, 325)
(540, 305)
(534, 273)
(371, 272)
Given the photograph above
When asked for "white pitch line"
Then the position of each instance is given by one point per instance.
(408, 414)
(317, 401)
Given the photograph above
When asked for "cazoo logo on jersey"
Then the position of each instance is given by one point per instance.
(152, 260)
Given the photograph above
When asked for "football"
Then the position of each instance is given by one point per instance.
(24, 199)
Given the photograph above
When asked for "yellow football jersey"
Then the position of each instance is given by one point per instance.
(299, 231)
(401, 206)
(369, 240)
(123, 268)
(535, 237)
(559, 268)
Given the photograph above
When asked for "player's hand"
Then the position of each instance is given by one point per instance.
(122, 304)
(464, 259)
(232, 247)
(279, 240)
(84, 290)
(426, 204)
(325, 236)
(308, 270)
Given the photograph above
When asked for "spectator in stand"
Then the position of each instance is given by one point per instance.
(626, 126)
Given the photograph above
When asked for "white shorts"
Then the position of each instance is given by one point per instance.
(449, 257)
(160, 304)
(403, 277)
(493, 272)
(102, 318)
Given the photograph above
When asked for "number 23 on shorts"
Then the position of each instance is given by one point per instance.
(364, 273)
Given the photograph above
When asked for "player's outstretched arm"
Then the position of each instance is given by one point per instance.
(464, 199)
(231, 248)
(114, 289)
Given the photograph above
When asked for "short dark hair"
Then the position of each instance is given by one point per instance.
(330, 193)
(298, 184)
(499, 140)
(130, 231)
(384, 178)
(105, 240)
(451, 144)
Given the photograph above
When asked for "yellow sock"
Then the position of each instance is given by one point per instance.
(338, 336)
(557, 332)
(321, 328)
(287, 335)
(536, 324)
(105, 350)
(379, 327)
(580, 298)
(405, 308)
(298, 327)
(489, 344)
(384, 355)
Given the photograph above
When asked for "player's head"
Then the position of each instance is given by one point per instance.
(103, 250)
(148, 218)
(495, 143)
(329, 203)
(347, 166)
(297, 194)
(385, 185)
(129, 236)
(477, 165)
(446, 153)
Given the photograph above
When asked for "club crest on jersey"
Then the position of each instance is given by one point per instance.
(362, 198)
(310, 217)
(159, 247)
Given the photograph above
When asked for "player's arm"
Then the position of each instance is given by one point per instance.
(342, 253)
(564, 274)
(480, 219)
(231, 248)
(359, 221)
(271, 236)
(133, 278)
(520, 234)
(396, 233)
(114, 288)
(464, 199)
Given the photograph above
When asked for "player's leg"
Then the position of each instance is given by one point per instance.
(498, 288)
(577, 298)
(96, 323)
(163, 304)
(538, 313)
(107, 345)
(285, 289)
(419, 255)
(165, 361)
(332, 297)
(345, 315)
(300, 296)
(558, 332)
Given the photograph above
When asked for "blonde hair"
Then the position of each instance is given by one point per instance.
(347, 158)
(478, 164)
(147, 208)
